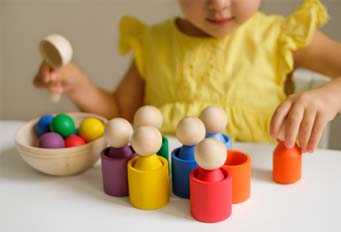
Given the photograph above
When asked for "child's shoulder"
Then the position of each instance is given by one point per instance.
(133, 25)
(299, 26)
(308, 14)
(262, 22)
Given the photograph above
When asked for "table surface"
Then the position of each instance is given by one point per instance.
(32, 201)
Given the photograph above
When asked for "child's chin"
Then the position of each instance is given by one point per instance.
(221, 32)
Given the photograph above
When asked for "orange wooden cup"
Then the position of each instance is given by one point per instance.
(287, 164)
(239, 164)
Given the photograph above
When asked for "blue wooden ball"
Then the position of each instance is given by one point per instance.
(43, 124)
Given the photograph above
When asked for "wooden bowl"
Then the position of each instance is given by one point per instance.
(62, 161)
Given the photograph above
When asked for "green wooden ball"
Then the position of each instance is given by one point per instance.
(63, 124)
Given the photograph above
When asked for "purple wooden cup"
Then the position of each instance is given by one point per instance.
(114, 170)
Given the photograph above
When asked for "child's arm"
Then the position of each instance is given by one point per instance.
(125, 100)
(304, 116)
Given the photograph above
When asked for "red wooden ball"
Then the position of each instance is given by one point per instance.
(74, 140)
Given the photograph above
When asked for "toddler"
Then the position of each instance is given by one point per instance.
(224, 53)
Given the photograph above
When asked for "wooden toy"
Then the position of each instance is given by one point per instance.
(239, 164)
(210, 156)
(56, 51)
(210, 183)
(287, 164)
(74, 141)
(117, 134)
(91, 129)
(151, 116)
(190, 131)
(215, 121)
(63, 125)
(51, 140)
(147, 172)
(43, 125)
(62, 161)
(148, 115)
(114, 158)
(146, 141)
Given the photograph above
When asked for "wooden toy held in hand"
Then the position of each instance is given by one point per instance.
(117, 134)
(148, 115)
(215, 121)
(147, 173)
(56, 51)
(190, 131)
(210, 183)
(287, 164)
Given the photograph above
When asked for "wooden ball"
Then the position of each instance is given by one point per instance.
(43, 125)
(63, 124)
(148, 116)
(118, 132)
(74, 141)
(91, 129)
(210, 154)
(190, 131)
(51, 140)
(146, 140)
(214, 118)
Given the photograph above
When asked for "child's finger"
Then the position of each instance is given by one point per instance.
(54, 76)
(292, 124)
(316, 133)
(56, 88)
(37, 82)
(278, 118)
(281, 134)
(45, 73)
(305, 129)
(57, 75)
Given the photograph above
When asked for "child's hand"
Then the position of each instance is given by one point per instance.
(304, 116)
(57, 80)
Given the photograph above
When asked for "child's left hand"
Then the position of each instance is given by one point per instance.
(304, 116)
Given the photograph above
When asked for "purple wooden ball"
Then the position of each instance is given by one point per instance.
(51, 140)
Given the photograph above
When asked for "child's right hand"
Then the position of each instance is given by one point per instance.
(303, 116)
(59, 80)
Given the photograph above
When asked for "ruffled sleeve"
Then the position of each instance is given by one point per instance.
(298, 30)
(132, 33)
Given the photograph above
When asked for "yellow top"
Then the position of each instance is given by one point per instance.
(243, 73)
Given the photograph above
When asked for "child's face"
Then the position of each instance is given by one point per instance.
(217, 18)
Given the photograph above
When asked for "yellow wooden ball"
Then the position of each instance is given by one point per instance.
(91, 129)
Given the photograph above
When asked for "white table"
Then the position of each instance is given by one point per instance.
(31, 201)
